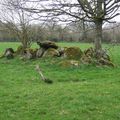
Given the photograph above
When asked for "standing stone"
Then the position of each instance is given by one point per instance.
(40, 52)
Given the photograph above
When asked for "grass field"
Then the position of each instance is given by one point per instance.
(83, 93)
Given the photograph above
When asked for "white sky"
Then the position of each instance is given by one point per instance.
(117, 19)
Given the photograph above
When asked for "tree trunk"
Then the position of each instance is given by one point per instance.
(84, 34)
(98, 37)
(25, 40)
(25, 44)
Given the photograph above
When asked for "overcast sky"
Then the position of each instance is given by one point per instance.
(117, 19)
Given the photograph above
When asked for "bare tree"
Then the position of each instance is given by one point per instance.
(17, 21)
(99, 11)
(80, 27)
(96, 11)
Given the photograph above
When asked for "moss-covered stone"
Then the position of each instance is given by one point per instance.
(20, 50)
(106, 62)
(89, 52)
(51, 52)
(69, 63)
(30, 53)
(86, 59)
(89, 57)
(62, 51)
(74, 53)
(1, 55)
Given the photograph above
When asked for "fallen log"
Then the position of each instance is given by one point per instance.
(46, 80)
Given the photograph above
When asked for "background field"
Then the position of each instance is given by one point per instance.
(83, 93)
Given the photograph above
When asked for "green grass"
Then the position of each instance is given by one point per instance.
(83, 93)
